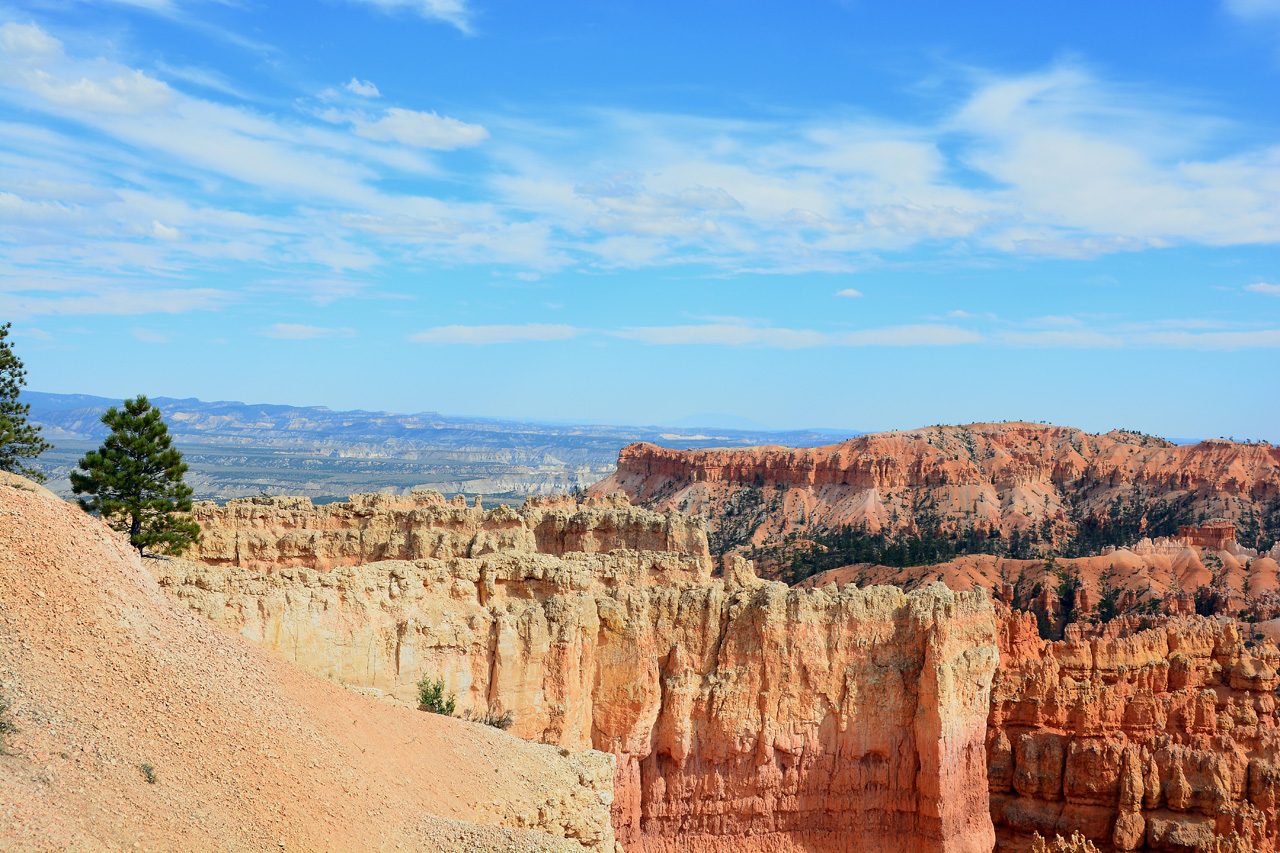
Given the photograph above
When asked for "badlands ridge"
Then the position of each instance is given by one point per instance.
(733, 712)
(1001, 478)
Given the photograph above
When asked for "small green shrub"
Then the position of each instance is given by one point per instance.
(148, 773)
(431, 697)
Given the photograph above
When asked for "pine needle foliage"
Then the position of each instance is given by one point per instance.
(18, 439)
(135, 480)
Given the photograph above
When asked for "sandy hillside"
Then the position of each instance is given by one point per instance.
(105, 674)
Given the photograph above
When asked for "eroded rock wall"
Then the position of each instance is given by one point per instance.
(742, 713)
(1154, 739)
(290, 532)
(991, 477)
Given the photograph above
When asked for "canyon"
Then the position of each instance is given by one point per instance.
(742, 712)
(978, 704)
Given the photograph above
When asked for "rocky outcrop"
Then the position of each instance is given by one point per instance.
(290, 532)
(1157, 739)
(1212, 534)
(742, 713)
(988, 477)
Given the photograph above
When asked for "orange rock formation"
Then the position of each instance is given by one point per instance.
(1006, 477)
(1159, 739)
(742, 713)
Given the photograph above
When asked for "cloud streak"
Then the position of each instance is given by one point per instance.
(476, 335)
(303, 332)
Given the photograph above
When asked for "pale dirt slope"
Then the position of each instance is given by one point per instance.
(105, 673)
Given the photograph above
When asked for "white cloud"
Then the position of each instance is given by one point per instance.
(849, 291)
(128, 93)
(302, 332)
(456, 12)
(150, 336)
(26, 42)
(496, 334)
(1067, 165)
(363, 88)
(1263, 287)
(959, 315)
(113, 302)
(163, 232)
(726, 334)
(422, 130)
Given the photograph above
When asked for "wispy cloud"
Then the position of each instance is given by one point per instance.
(363, 88)
(302, 332)
(849, 291)
(1253, 9)
(495, 334)
(455, 12)
(1066, 165)
(1263, 287)
(73, 299)
(725, 334)
(422, 130)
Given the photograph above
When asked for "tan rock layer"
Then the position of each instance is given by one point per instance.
(1158, 739)
(742, 713)
(268, 532)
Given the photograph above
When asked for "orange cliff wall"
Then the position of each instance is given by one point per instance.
(742, 713)
(1005, 476)
(1157, 739)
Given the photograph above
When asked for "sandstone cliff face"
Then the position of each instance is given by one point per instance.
(290, 532)
(1155, 739)
(1005, 477)
(742, 713)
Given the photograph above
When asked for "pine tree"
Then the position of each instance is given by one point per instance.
(18, 439)
(136, 480)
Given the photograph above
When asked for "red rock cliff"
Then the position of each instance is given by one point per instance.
(990, 476)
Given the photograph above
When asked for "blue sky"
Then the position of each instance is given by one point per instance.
(849, 215)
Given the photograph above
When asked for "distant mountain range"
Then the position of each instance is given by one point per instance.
(236, 449)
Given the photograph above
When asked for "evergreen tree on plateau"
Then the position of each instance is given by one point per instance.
(136, 480)
(18, 439)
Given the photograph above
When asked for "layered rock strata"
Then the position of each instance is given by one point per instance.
(1158, 739)
(290, 532)
(991, 477)
(741, 712)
